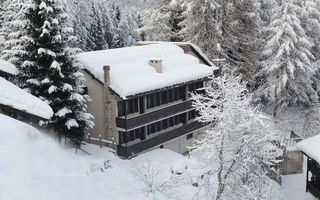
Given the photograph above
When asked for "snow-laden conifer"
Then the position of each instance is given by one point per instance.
(163, 22)
(202, 26)
(287, 61)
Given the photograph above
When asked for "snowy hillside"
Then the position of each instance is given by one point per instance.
(40, 169)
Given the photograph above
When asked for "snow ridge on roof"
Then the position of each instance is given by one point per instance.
(311, 147)
(8, 67)
(130, 73)
(13, 96)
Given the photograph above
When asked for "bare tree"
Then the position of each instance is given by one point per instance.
(239, 147)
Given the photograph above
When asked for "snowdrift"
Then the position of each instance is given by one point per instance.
(35, 167)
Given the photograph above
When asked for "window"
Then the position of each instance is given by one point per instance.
(121, 108)
(122, 138)
(194, 86)
(170, 95)
(85, 90)
(157, 99)
(171, 121)
(161, 146)
(164, 97)
(150, 101)
(131, 135)
(133, 105)
(190, 136)
(165, 123)
(192, 115)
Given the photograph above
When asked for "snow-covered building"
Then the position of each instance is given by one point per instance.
(311, 148)
(140, 95)
(7, 69)
(19, 104)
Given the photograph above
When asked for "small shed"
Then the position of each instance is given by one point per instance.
(311, 148)
(16, 102)
(7, 69)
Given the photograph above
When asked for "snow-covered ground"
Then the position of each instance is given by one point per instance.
(35, 167)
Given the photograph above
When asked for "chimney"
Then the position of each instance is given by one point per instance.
(156, 63)
(109, 112)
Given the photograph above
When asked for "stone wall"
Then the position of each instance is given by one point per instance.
(292, 163)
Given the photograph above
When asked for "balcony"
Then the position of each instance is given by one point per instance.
(153, 116)
(142, 146)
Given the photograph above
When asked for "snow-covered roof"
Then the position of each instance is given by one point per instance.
(8, 67)
(13, 96)
(130, 73)
(311, 147)
(195, 47)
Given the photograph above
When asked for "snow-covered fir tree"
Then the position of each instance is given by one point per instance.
(41, 44)
(310, 21)
(62, 83)
(287, 61)
(240, 36)
(202, 28)
(97, 31)
(164, 21)
(238, 148)
(19, 46)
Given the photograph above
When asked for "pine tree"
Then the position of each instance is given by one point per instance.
(117, 39)
(20, 46)
(240, 32)
(287, 63)
(97, 31)
(310, 21)
(40, 42)
(164, 21)
(62, 82)
(202, 28)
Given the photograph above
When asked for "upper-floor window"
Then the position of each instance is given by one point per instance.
(192, 114)
(121, 108)
(164, 97)
(133, 105)
(166, 123)
(194, 86)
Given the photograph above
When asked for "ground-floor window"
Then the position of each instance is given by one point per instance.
(190, 136)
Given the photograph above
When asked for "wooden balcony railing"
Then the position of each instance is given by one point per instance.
(130, 151)
(150, 117)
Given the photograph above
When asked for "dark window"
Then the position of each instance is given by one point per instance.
(170, 95)
(176, 119)
(191, 115)
(142, 133)
(131, 135)
(158, 126)
(164, 97)
(157, 100)
(151, 101)
(189, 136)
(137, 133)
(121, 108)
(141, 105)
(85, 90)
(161, 147)
(133, 105)
(171, 121)
(165, 124)
(122, 137)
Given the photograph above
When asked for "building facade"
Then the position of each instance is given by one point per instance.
(161, 117)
